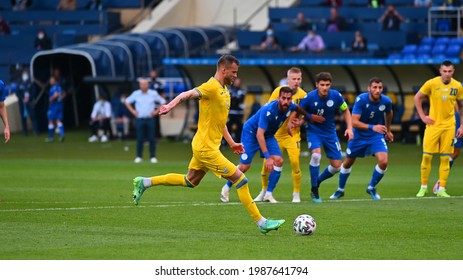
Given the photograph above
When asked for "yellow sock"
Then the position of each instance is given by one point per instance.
(425, 169)
(245, 197)
(264, 177)
(444, 170)
(297, 177)
(171, 179)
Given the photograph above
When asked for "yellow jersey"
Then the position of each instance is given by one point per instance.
(283, 130)
(442, 98)
(214, 105)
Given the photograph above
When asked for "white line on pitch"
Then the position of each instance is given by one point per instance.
(177, 204)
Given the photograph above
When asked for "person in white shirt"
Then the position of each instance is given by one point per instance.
(145, 100)
(100, 119)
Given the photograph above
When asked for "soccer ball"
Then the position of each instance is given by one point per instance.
(304, 225)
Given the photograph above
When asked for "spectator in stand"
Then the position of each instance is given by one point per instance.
(4, 28)
(333, 3)
(269, 40)
(95, 5)
(359, 43)
(423, 3)
(335, 23)
(391, 19)
(312, 42)
(20, 5)
(300, 22)
(67, 5)
(42, 41)
(269, 44)
(376, 3)
(100, 119)
(120, 123)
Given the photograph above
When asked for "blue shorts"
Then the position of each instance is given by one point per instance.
(458, 143)
(55, 113)
(359, 147)
(251, 147)
(330, 144)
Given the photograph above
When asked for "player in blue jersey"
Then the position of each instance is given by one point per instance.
(3, 112)
(458, 143)
(55, 110)
(371, 119)
(324, 101)
(259, 135)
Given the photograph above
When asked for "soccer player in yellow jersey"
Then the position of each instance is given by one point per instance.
(214, 105)
(292, 144)
(443, 93)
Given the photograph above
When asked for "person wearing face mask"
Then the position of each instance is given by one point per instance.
(26, 109)
(42, 41)
(312, 42)
(269, 37)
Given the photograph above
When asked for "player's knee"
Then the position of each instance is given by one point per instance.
(241, 181)
(427, 158)
(191, 183)
(278, 161)
(315, 159)
(334, 170)
(382, 164)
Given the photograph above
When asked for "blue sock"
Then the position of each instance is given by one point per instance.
(229, 184)
(314, 171)
(343, 176)
(377, 176)
(273, 179)
(51, 132)
(326, 174)
(61, 130)
(451, 162)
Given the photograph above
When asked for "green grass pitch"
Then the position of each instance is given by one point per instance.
(72, 201)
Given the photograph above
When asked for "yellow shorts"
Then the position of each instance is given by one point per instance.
(290, 144)
(214, 161)
(438, 140)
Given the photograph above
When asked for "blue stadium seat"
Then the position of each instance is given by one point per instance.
(442, 41)
(428, 41)
(424, 49)
(409, 49)
(438, 49)
(456, 41)
(423, 55)
(453, 50)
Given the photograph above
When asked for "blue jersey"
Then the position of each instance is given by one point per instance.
(2, 91)
(326, 107)
(371, 113)
(59, 101)
(269, 118)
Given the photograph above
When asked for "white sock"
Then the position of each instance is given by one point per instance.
(147, 182)
(261, 222)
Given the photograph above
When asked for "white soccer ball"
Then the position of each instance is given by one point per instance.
(304, 225)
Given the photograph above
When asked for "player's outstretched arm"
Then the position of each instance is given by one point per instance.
(192, 93)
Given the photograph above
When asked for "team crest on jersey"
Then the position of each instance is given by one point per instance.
(330, 103)
(444, 97)
(382, 108)
(316, 103)
(268, 113)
